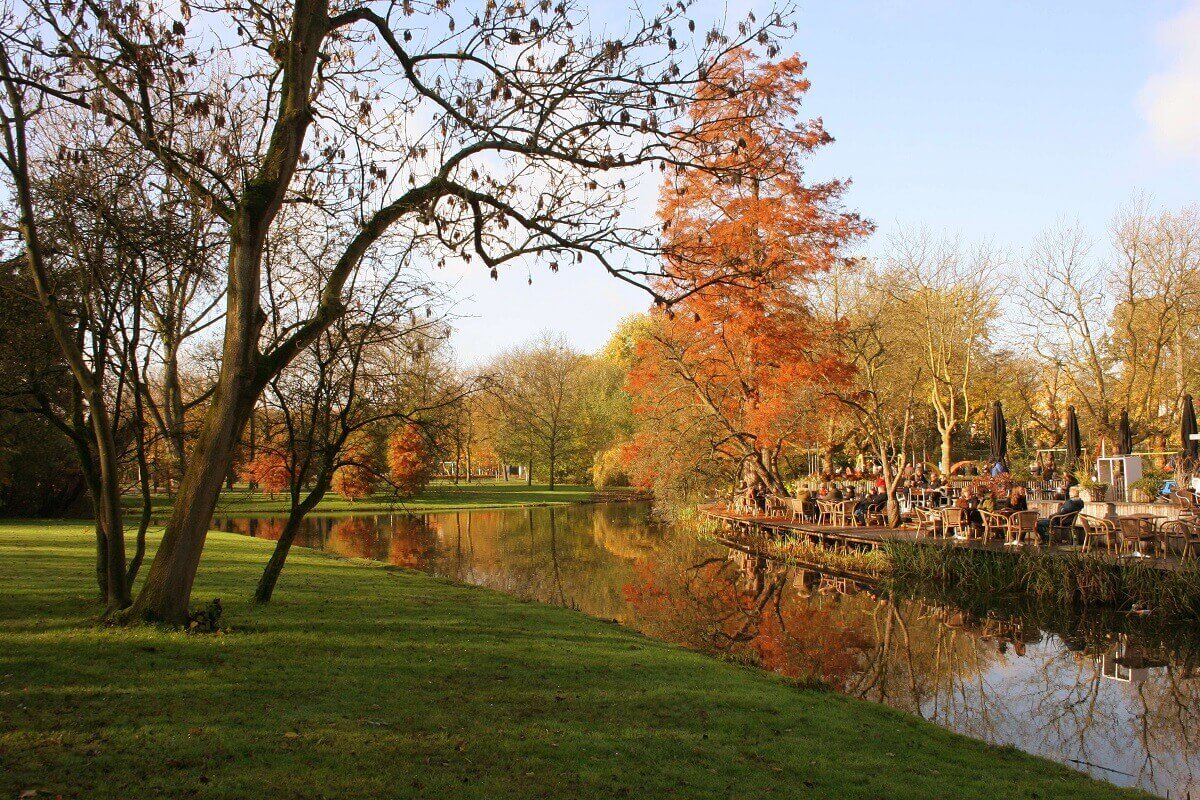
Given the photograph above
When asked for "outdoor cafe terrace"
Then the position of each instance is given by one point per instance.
(1164, 532)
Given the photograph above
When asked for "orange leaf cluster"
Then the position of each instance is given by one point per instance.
(355, 478)
(410, 463)
(269, 470)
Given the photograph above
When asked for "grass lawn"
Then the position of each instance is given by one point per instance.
(364, 681)
(438, 497)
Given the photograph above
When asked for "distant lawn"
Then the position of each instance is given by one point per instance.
(364, 681)
(438, 497)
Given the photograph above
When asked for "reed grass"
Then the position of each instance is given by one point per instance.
(1086, 579)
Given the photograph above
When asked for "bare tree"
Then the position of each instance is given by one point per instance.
(1117, 328)
(328, 402)
(950, 301)
(882, 397)
(500, 134)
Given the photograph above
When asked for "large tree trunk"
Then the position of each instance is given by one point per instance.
(168, 587)
(763, 467)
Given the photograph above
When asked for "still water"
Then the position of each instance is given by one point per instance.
(1113, 696)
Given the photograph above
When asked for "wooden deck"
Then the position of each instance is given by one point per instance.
(873, 536)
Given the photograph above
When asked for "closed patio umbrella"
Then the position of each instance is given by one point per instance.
(1074, 448)
(1124, 436)
(1188, 429)
(999, 434)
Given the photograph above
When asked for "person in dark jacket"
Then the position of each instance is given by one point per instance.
(869, 504)
(1065, 516)
(1016, 500)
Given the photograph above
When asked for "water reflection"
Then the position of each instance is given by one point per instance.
(1113, 695)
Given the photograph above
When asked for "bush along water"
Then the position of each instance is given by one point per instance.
(1088, 579)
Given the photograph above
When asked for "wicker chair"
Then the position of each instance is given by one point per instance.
(845, 513)
(953, 519)
(1134, 532)
(1186, 529)
(924, 522)
(1096, 528)
(794, 508)
(826, 511)
(1062, 526)
(994, 525)
(1022, 526)
(1188, 504)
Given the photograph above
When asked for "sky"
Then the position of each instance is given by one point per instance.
(987, 120)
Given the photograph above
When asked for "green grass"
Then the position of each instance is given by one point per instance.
(438, 497)
(364, 681)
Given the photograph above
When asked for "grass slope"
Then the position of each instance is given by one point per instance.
(438, 497)
(362, 681)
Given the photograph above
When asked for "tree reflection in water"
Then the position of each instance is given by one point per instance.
(1113, 695)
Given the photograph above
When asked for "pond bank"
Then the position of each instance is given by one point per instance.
(438, 496)
(364, 681)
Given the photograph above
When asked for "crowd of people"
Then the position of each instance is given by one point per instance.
(918, 484)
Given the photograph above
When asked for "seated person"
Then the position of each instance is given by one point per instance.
(1016, 500)
(871, 503)
(1069, 482)
(808, 505)
(969, 503)
(1065, 516)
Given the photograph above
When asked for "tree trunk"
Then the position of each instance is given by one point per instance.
(947, 437)
(92, 481)
(109, 511)
(270, 576)
(168, 588)
(770, 477)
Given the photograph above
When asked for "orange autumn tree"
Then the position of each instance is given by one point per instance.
(269, 469)
(410, 462)
(356, 476)
(731, 371)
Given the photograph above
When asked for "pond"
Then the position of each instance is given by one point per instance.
(1114, 696)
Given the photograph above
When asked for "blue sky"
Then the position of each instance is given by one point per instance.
(988, 119)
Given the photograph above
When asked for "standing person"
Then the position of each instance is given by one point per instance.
(969, 502)
(758, 495)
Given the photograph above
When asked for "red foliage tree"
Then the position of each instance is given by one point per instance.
(739, 357)
(356, 478)
(410, 463)
(269, 470)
